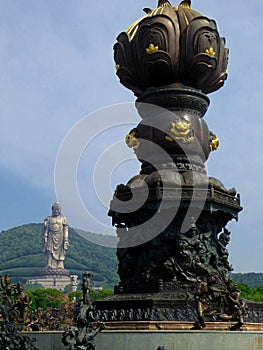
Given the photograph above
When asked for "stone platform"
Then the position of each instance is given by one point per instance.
(179, 340)
(147, 307)
(180, 307)
(52, 278)
(170, 339)
(178, 326)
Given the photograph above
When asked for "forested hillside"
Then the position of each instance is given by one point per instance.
(252, 279)
(21, 256)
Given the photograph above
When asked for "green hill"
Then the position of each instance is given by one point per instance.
(21, 256)
(252, 279)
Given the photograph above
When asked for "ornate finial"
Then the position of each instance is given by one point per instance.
(163, 2)
(186, 4)
(193, 58)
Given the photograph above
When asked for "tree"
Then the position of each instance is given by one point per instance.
(43, 298)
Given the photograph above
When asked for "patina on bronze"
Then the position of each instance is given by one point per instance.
(172, 251)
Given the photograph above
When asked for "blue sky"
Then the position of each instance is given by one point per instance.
(56, 67)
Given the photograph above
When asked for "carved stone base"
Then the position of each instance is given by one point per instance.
(146, 307)
(47, 271)
(52, 278)
(153, 251)
(178, 306)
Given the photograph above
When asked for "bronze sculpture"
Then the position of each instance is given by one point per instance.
(169, 216)
(171, 58)
(14, 304)
(86, 288)
(7, 288)
(55, 238)
(82, 336)
(14, 301)
(21, 303)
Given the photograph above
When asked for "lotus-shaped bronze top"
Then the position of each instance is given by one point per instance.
(171, 45)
